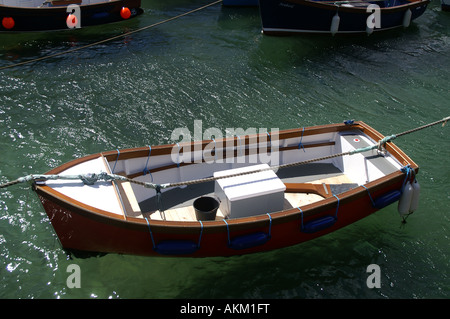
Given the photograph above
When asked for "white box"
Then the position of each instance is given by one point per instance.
(250, 194)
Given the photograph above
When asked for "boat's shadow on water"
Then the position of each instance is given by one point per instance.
(333, 266)
(285, 52)
(79, 254)
(317, 269)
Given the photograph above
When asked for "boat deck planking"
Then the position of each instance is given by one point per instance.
(186, 212)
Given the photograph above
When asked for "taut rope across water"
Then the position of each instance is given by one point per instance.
(90, 179)
(110, 39)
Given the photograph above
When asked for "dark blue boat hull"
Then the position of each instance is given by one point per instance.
(303, 16)
(54, 18)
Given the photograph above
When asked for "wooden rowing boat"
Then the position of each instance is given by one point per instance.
(273, 189)
(48, 15)
(352, 17)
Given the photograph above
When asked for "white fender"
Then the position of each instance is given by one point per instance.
(407, 18)
(405, 200)
(373, 20)
(415, 198)
(335, 24)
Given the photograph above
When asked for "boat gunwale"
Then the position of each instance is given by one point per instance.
(279, 217)
(282, 135)
(332, 6)
(137, 152)
(64, 7)
(236, 153)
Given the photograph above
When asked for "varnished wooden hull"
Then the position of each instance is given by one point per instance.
(82, 227)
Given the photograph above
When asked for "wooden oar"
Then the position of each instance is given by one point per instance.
(324, 190)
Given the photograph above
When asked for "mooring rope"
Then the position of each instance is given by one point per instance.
(110, 39)
(90, 179)
(443, 121)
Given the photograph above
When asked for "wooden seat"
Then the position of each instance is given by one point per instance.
(129, 201)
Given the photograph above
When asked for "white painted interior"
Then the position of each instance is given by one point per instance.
(356, 168)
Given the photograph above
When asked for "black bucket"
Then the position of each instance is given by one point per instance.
(206, 208)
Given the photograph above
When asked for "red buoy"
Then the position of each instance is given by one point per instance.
(8, 23)
(125, 13)
(71, 21)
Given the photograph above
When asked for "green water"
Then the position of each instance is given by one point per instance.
(217, 67)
